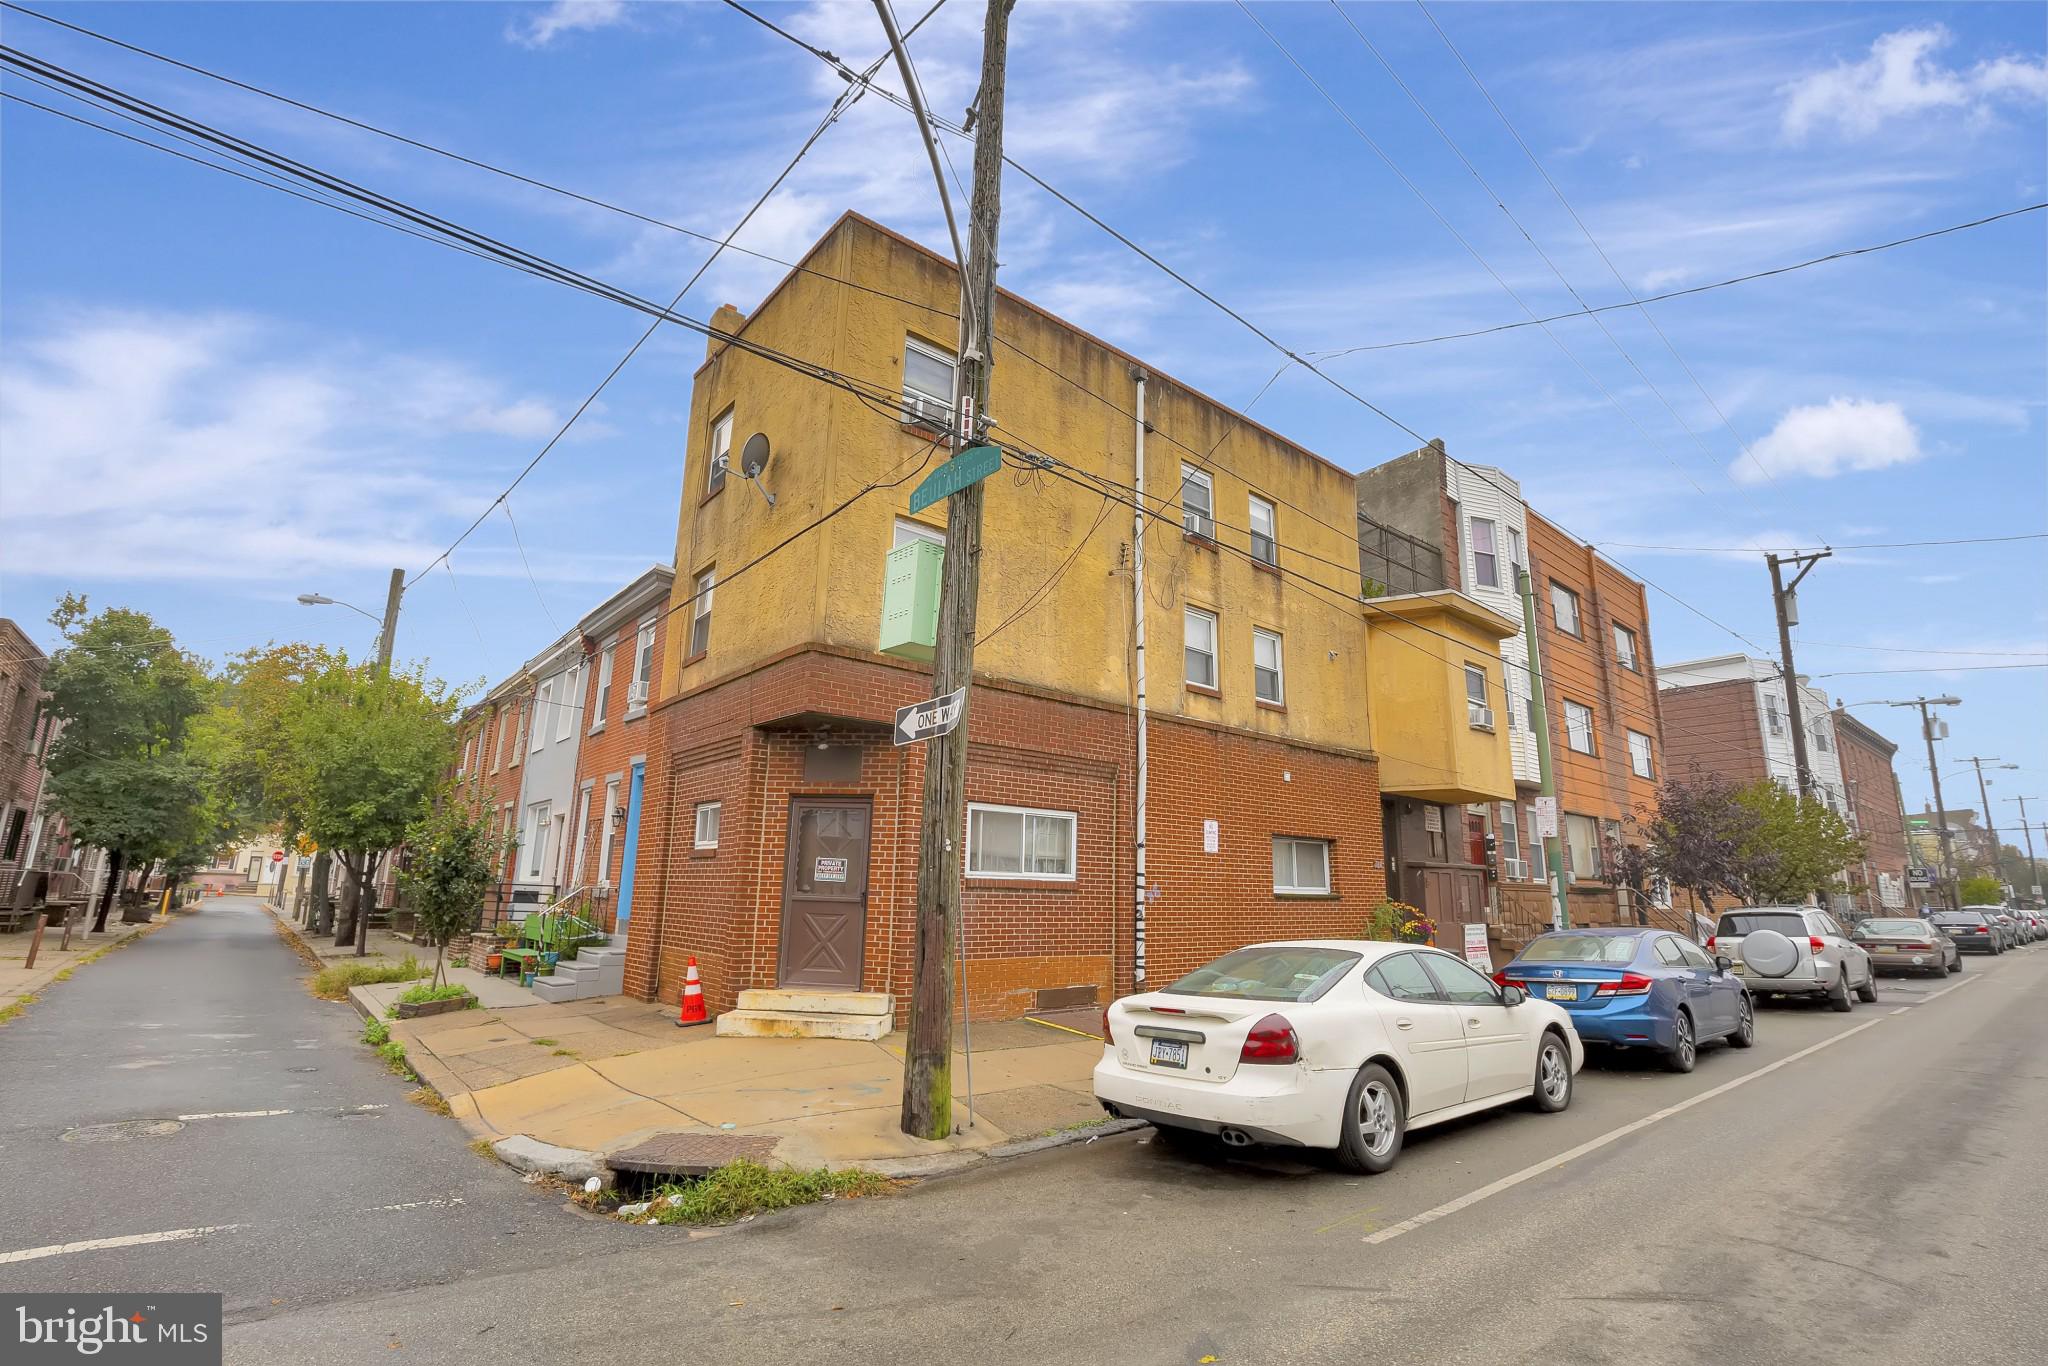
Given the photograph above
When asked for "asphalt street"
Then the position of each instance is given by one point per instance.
(1864, 1187)
(139, 1102)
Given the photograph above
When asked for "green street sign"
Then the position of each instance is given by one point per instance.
(971, 466)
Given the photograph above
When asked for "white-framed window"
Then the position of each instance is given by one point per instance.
(519, 730)
(1771, 717)
(1515, 550)
(1268, 681)
(1578, 726)
(609, 825)
(927, 385)
(720, 453)
(1477, 713)
(1639, 754)
(1510, 835)
(1265, 529)
(571, 708)
(1820, 735)
(700, 614)
(1485, 554)
(1197, 502)
(1020, 842)
(1625, 647)
(501, 721)
(1564, 608)
(467, 746)
(643, 661)
(908, 530)
(538, 727)
(1582, 846)
(1301, 867)
(604, 685)
(582, 839)
(1198, 637)
(707, 825)
(538, 823)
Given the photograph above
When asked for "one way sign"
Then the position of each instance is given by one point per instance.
(929, 720)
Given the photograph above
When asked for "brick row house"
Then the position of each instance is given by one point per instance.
(34, 837)
(1877, 810)
(1427, 521)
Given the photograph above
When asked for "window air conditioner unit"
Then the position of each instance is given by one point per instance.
(920, 410)
(1481, 718)
(636, 696)
(1517, 868)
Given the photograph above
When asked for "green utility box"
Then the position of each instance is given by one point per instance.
(910, 600)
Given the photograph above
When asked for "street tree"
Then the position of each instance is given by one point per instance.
(119, 770)
(370, 747)
(1800, 846)
(1981, 890)
(451, 859)
(1701, 838)
(1630, 864)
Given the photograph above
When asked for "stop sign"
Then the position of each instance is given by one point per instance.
(277, 856)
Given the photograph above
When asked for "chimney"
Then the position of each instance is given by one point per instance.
(728, 321)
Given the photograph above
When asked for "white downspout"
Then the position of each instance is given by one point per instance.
(1138, 621)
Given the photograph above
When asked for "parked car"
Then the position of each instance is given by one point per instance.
(1794, 951)
(1971, 929)
(1906, 944)
(2003, 918)
(2034, 919)
(1637, 988)
(1344, 1044)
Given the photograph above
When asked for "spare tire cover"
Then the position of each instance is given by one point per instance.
(1770, 953)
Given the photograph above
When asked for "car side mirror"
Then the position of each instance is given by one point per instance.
(1513, 996)
(1724, 962)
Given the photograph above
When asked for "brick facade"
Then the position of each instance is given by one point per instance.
(1713, 727)
(745, 743)
(1880, 816)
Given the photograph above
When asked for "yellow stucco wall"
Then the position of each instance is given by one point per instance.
(1427, 746)
(1075, 638)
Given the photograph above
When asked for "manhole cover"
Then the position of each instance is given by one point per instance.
(114, 1133)
(689, 1154)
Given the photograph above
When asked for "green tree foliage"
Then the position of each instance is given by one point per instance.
(120, 770)
(1702, 839)
(244, 741)
(1799, 846)
(367, 751)
(452, 857)
(1981, 890)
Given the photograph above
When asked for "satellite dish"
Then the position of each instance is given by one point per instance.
(754, 456)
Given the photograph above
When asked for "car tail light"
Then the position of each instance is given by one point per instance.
(1631, 984)
(1107, 1037)
(1710, 940)
(1501, 979)
(1815, 943)
(1271, 1040)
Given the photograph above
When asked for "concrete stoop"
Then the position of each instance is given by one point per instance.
(865, 1015)
(595, 971)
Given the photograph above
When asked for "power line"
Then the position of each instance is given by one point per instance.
(1932, 669)
(1922, 650)
(506, 504)
(1864, 545)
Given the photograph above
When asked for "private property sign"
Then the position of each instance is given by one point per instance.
(929, 720)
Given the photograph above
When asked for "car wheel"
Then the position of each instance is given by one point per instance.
(1867, 993)
(1745, 1025)
(1956, 964)
(1685, 1050)
(1841, 1000)
(1553, 1075)
(1375, 1121)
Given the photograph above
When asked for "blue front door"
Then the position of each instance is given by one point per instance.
(626, 859)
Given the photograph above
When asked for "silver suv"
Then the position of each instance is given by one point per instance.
(1795, 951)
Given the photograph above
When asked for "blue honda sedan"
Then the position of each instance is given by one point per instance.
(1637, 988)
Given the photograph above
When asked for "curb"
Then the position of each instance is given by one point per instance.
(949, 1164)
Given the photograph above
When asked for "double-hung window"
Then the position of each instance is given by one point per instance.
(1020, 842)
(1301, 867)
(1564, 608)
(1265, 530)
(604, 685)
(1477, 713)
(571, 707)
(1268, 682)
(1639, 754)
(1578, 726)
(720, 453)
(1197, 503)
(538, 816)
(643, 669)
(1199, 646)
(927, 385)
(1510, 839)
(538, 727)
(700, 614)
(1771, 717)
(1514, 550)
(1485, 554)
(707, 825)
(1582, 846)
(1625, 647)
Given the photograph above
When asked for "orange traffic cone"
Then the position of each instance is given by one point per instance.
(692, 1012)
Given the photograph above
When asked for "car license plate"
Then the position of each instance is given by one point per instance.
(1887, 948)
(1169, 1053)
(1560, 991)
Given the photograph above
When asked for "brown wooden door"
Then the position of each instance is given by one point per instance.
(825, 893)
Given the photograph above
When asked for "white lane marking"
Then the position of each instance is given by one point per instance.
(175, 1235)
(436, 1203)
(1470, 1198)
(1902, 1010)
(237, 1114)
(1952, 986)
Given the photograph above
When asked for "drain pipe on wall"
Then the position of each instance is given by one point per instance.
(1138, 624)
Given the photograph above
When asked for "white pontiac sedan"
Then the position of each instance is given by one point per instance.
(1332, 1043)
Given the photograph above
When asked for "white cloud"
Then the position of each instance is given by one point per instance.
(1825, 439)
(210, 446)
(1901, 79)
(566, 16)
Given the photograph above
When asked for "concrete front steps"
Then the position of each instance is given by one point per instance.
(810, 1015)
(596, 970)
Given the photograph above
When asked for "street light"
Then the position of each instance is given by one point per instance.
(322, 600)
(387, 625)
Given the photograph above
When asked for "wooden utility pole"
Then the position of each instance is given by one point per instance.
(391, 600)
(1787, 608)
(928, 1054)
(1948, 861)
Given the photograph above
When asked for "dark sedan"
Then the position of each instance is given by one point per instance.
(1972, 931)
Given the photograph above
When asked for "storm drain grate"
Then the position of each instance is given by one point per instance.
(115, 1133)
(689, 1154)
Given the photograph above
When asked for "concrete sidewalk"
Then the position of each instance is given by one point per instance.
(18, 981)
(384, 947)
(602, 1075)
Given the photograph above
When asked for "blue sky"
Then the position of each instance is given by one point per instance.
(216, 398)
